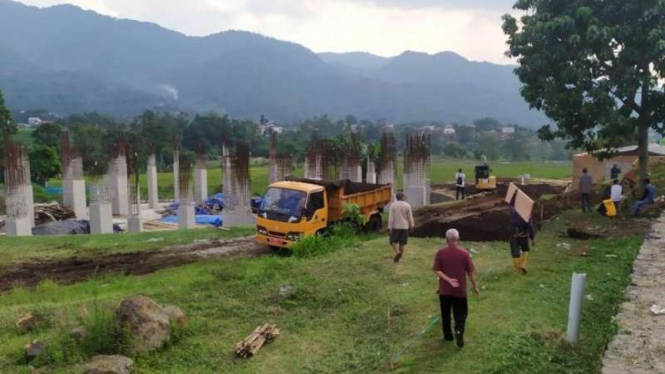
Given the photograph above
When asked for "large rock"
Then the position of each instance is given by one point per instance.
(148, 323)
(108, 365)
(27, 323)
(33, 350)
(177, 317)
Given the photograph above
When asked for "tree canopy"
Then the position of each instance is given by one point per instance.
(593, 67)
(6, 123)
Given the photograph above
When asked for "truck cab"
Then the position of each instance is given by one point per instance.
(289, 211)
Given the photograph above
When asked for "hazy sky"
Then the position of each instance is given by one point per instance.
(471, 28)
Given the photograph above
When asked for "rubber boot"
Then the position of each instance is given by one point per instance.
(524, 260)
(516, 265)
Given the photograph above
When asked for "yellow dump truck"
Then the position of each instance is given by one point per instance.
(296, 208)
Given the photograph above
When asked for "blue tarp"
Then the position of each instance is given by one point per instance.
(201, 219)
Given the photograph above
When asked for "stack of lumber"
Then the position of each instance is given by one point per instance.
(45, 213)
(261, 335)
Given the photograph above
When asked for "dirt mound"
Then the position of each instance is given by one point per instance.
(75, 270)
(486, 217)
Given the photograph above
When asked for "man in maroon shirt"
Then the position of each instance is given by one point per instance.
(452, 265)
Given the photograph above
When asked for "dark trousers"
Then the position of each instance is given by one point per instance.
(460, 310)
(460, 190)
(586, 202)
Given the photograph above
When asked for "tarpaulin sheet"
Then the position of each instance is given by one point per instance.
(201, 219)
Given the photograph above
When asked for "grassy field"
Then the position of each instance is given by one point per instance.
(441, 170)
(351, 310)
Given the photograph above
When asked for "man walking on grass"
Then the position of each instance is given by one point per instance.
(452, 265)
(460, 181)
(400, 224)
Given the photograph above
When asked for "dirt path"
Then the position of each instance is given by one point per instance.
(639, 346)
(72, 270)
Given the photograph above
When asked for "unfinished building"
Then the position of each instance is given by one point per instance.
(19, 219)
(387, 160)
(236, 188)
(280, 164)
(201, 174)
(313, 159)
(73, 186)
(176, 167)
(351, 155)
(118, 178)
(101, 211)
(186, 211)
(134, 221)
(416, 169)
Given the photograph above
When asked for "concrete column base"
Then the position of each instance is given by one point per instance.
(153, 199)
(238, 217)
(19, 227)
(417, 195)
(31, 205)
(186, 217)
(79, 199)
(200, 185)
(101, 218)
(134, 224)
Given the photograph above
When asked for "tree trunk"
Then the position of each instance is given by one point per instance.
(643, 131)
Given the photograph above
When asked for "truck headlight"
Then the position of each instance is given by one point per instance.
(293, 236)
(261, 230)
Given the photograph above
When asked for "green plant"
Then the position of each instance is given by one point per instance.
(341, 235)
(352, 214)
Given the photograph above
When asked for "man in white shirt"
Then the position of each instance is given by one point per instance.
(460, 181)
(616, 193)
(400, 224)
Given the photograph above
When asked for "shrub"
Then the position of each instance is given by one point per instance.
(341, 236)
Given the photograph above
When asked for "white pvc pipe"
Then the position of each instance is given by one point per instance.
(575, 307)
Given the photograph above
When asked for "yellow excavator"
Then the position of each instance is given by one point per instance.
(484, 180)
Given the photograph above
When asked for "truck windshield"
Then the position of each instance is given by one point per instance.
(284, 201)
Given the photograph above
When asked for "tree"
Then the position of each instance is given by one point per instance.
(44, 164)
(487, 124)
(489, 145)
(6, 123)
(48, 134)
(593, 67)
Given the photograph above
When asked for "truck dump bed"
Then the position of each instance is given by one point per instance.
(369, 197)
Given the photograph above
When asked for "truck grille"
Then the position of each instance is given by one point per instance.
(276, 234)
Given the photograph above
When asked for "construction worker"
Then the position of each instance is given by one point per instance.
(522, 235)
(460, 181)
(400, 224)
(586, 185)
(648, 197)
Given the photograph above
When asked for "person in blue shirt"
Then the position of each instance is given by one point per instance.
(647, 197)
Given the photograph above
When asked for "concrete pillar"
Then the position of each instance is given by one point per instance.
(200, 183)
(78, 203)
(19, 226)
(371, 177)
(118, 184)
(30, 202)
(357, 174)
(67, 195)
(101, 218)
(135, 224)
(176, 178)
(186, 216)
(241, 216)
(153, 197)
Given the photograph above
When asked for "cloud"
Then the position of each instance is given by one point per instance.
(384, 27)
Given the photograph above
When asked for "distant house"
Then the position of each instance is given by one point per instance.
(449, 131)
(429, 128)
(507, 130)
(275, 129)
(601, 171)
(34, 121)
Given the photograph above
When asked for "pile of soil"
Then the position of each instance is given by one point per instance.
(486, 217)
(73, 270)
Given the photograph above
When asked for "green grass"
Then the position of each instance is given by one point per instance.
(15, 249)
(352, 309)
(441, 170)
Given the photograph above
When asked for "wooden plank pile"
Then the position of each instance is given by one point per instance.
(260, 336)
(45, 213)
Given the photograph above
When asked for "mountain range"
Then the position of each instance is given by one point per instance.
(68, 60)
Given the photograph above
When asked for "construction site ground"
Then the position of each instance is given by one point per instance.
(350, 311)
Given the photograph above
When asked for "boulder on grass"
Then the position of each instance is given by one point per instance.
(177, 317)
(108, 365)
(33, 350)
(147, 322)
(26, 323)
